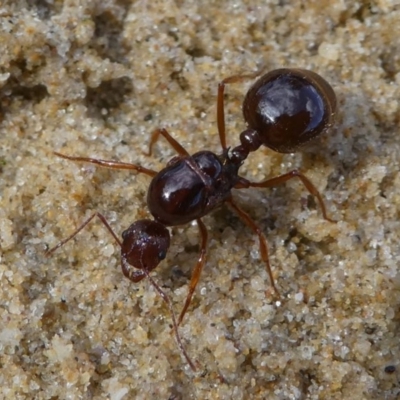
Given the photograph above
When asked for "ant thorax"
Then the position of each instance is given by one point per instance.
(190, 187)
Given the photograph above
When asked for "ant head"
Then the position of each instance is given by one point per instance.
(144, 244)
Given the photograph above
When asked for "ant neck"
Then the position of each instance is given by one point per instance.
(249, 141)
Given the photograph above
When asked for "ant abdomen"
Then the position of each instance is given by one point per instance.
(286, 108)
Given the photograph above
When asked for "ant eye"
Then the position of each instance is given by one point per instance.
(162, 255)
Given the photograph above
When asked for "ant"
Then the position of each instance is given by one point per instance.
(283, 110)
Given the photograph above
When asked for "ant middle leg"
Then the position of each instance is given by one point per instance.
(262, 240)
(244, 183)
(109, 164)
(220, 101)
(173, 142)
(197, 270)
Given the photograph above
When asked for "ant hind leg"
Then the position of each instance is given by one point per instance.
(244, 183)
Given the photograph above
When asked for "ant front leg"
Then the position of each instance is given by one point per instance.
(220, 102)
(173, 142)
(244, 183)
(197, 271)
(262, 240)
(109, 164)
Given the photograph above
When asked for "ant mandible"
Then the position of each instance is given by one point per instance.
(283, 110)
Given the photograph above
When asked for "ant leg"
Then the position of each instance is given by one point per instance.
(109, 164)
(171, 310)
(263, 241)
(221, 115)
(244, 183)
(220, 102)
(197, 271)
(173, 142)
(96, 214)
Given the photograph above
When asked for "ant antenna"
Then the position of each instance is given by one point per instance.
(167, 300)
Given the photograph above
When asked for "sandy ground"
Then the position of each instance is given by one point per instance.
(95, 78)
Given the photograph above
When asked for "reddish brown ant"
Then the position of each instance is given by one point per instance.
(283, 110)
